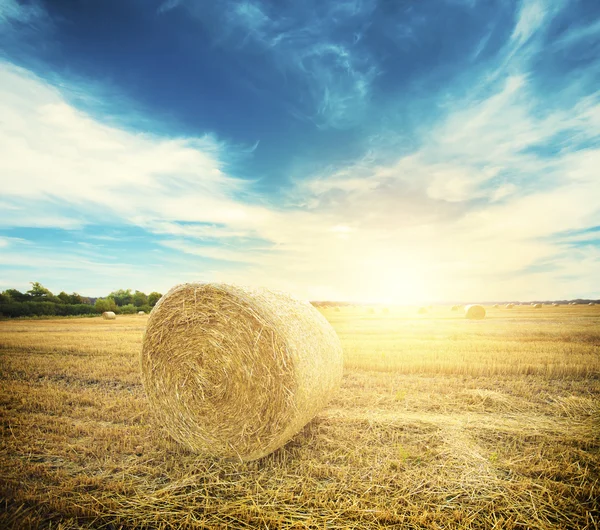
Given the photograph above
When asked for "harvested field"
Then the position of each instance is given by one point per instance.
(441, 422)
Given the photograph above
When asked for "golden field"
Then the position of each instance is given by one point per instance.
(440, 422)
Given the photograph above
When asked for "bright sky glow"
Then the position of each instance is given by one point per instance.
(396, 152)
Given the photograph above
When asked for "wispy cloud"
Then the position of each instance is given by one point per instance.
(315, 45)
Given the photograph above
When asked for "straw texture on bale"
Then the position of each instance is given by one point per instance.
(109, 315)
(474, 312)
(234, 372)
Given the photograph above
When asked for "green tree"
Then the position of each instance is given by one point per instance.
(153, 298)
(64, 297)
(105, 304)
(17, 296)
(121, 297)
(76, 298)
(38, 291)
(139, 299)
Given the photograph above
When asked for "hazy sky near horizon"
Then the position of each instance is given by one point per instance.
(375, 150)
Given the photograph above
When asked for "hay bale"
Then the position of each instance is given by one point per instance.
(370, 311)
(234, 372)
(474, 312)
(509, 306)
(591, 303)
(496, 306)
(454, 308)
(422, 311)
(537, 306)
(385, 311)
(141, 312)
(109, 315)
(337, 309)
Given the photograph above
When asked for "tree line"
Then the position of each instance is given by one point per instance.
(40, 301)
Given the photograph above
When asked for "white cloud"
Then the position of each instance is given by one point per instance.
(530, 18)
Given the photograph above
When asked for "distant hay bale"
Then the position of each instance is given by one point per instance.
(591, 303)
(537, 306)
(474, 312)
(496, 306)
(141, 312)
(235, 372)
(555, 304)
(509, 306)
(454, 308)
(370, 311)
(336, 309)
(422, 311)
(385, 310)
(109, 315)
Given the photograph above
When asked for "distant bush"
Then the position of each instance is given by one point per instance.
(32, 309)
(128, 309)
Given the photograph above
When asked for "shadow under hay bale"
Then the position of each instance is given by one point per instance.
(235, 372)
(474, 312)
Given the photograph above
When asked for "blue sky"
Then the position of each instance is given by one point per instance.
(360, 149)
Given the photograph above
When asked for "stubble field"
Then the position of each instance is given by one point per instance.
(440, 422)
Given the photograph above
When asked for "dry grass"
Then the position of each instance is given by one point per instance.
(441, 422)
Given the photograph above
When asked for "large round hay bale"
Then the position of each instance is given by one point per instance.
(141, 312)
(509, 306)
(109, 315)
(475, 312)
(537, 306)
(236, 372)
